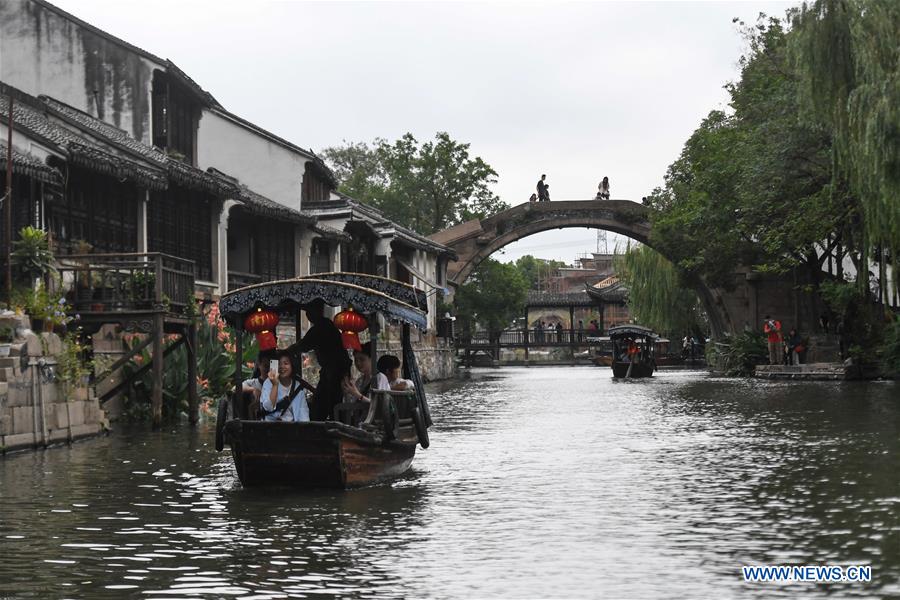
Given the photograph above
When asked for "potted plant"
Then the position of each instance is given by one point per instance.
(31, 254)
(34, 302)
(7, 335)
(140, 287)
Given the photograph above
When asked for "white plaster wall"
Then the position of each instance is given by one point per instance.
(264, 166)
(42, 52)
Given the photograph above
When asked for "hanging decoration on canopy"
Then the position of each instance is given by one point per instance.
(262, 323)
(350, 323)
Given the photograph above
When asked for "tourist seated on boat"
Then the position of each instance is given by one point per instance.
(252, 388)
(358, 391)
(283, 397)
(388, 377)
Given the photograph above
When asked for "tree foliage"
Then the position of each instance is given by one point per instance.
(657, 297)
(752, 186)
(534, 269)
(806, 163)
(425, 186)
(848, 58)
(493, 296)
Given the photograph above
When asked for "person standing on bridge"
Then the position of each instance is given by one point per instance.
(603, 189)
(543, 194)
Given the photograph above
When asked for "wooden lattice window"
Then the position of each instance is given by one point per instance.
(314, 188)
(320, 257)
(97, 209)
(175, 115)
(274, 250)
(179, 222)
(26, 206)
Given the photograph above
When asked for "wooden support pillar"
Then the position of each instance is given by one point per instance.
(193, 399)
(156, 401)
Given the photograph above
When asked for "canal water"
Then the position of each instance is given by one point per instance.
(541, 482)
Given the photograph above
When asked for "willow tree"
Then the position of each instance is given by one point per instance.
(848, 55)
(657, 296)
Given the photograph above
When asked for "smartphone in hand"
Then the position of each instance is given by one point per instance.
(273, 366)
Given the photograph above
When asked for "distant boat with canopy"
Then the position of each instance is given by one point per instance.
(633, 351)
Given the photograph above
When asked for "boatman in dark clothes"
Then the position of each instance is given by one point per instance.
(324, 339)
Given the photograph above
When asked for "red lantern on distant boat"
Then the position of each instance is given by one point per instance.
(262, 323)
(350, 323)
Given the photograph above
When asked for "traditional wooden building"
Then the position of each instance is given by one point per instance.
(119, 150)
(375, 245)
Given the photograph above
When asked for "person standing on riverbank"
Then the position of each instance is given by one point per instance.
(795, 347)
(772, 329)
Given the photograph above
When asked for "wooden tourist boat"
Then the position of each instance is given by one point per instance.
(366, 442)
(633, 351)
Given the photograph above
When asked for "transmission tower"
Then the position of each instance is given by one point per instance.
(601, 239)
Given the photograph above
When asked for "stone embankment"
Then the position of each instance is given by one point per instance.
(35, 409)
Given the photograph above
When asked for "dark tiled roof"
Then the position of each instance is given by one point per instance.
(345, 205)
(116, 166)
(30, 166)
(94, 144)
(108, 133)
(332, 233)
(30, 117)
(261, 205)
(615, 293)
(191, 177)
(206, 97)
(558, 299)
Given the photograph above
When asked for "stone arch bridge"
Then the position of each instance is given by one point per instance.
(743, 304)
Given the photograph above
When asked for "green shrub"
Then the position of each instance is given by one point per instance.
(31, 255)
(740, 354)
(890, 349)
(215, 370)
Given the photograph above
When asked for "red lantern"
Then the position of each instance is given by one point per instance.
(262, 323)
(350, 323)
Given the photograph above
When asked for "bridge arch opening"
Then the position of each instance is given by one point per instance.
(474, 241)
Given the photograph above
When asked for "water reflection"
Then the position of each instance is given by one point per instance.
(539, 482)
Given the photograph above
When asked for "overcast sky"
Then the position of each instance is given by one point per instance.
(575, 90)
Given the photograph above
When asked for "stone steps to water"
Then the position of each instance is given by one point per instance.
(822, 371)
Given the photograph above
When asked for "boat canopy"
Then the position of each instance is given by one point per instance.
(395, 289)
(292, 294)
(631, 331)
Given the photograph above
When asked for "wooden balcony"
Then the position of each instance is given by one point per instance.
(135, 282)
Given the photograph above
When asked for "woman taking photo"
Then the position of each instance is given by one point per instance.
(283, 397)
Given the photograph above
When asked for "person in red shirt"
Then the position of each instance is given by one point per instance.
(772, 329)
